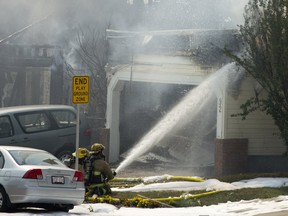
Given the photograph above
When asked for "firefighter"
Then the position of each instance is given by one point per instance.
(98, 172)
(82, 156)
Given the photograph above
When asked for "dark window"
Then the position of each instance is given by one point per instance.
(5, 127)
(64, 118)
(34, 122)
(1, 161)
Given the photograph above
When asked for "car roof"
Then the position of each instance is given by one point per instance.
(28, 108)
(8, 148)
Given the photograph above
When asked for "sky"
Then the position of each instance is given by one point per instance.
(241, 208)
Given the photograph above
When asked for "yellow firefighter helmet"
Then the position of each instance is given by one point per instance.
(82, 152)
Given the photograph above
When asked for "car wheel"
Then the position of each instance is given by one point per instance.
(59, 207)
(4, 200)
(66, 154)
(63, 207)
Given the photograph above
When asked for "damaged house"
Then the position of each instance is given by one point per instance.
(32, 72)
(30, 75)
(158, 69)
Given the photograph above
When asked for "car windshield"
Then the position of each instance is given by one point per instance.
(30, 157)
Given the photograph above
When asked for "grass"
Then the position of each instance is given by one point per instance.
(221, 197)
(242, 176)
(243, 194)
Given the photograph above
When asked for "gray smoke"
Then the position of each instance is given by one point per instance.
(65, 17)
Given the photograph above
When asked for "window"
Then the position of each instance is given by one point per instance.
(64, 118)
(1, 161)
(27, 157)
(5, 127)
(34, 122)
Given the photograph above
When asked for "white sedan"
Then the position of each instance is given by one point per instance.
(35, 178)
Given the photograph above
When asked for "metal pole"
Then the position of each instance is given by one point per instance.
(77, 138)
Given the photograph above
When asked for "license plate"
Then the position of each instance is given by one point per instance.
(58, 180)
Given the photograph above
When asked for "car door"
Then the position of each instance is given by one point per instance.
(66, 124)
(38, 131)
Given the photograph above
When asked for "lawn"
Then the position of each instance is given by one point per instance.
(166, 198)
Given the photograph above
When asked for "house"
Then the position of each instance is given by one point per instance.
(147, 73)
(30, 75)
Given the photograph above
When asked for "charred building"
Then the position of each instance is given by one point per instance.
(31, 74)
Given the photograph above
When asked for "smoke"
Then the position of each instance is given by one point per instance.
(68, 14)
(65, 17)
(193, 14)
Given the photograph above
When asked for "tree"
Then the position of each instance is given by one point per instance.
(265, 57)
(93, 52)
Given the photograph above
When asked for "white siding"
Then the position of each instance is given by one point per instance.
(258, 127)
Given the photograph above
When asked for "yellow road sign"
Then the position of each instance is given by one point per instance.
(80, 87)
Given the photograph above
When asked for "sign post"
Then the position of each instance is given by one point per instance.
(80, 95)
